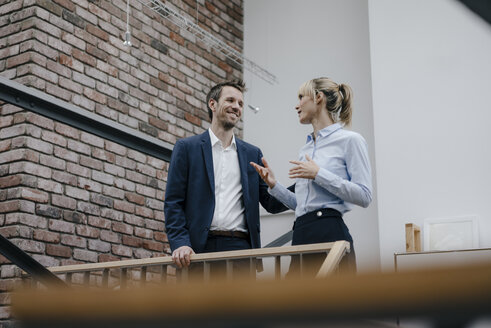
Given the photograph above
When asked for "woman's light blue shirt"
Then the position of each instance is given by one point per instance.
(344, 177)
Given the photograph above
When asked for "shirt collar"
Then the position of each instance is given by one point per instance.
(325, 132)
(214, 140)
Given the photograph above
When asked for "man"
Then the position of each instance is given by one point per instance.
(212, 194)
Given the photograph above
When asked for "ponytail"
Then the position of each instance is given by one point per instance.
(345, 93)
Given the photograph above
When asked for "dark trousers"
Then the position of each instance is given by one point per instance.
(240, 267)
(320, 226)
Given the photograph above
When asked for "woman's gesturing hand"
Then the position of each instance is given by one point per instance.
(304, 170)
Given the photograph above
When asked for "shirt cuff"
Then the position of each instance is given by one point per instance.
(325, 178)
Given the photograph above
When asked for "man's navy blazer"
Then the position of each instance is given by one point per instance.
(190, 192)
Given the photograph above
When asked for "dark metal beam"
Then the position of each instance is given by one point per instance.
(58, 110)
(281, 240)
(28, 264)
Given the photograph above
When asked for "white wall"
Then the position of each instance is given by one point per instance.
(431, 78)
(297, 41)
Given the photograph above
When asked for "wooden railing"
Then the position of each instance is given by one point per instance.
(161, 269)
(451, 297)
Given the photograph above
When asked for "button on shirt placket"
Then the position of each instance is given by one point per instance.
(309, 182)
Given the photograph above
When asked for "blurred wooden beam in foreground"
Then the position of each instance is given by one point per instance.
(457, 295)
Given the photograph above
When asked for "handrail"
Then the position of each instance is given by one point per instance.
(335, 251)
(454, 296)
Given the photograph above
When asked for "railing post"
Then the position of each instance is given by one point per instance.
(277, 267)
(87, 278)
(105, 278)
(143, 275)
(206, 271)
(252, 267)
(163, 273)
(124, 278)
(229, 269)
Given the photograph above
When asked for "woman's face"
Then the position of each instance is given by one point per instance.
(306, 109)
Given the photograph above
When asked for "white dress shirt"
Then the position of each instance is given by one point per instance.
(229, 207)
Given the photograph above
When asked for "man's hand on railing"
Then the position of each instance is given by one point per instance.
(182, 256)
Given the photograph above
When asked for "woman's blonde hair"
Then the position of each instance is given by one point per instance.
(338, 97)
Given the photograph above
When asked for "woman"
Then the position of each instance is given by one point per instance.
(332, 173)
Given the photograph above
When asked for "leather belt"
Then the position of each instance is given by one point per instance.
(236, 234)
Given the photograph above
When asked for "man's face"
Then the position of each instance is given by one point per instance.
(228, 110)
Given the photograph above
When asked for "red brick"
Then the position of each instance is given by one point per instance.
(62, 201)
(79, 147)
(153, 245)
(26, 219)
(16, 231)
(124, 206)
(192, 119)
(35, 195)
(5, 145)
(47, 236)
(99, 222)
(122, 227)
(54, 138)
(95, 9)
(110, 236)
(144, 190)
(122, 250)
(144, 233)
(62, 226)
(144, 211)
(29, 245)
(135, 198)
(100, 246)
(88, 208)
(157, 123)
(10, 181)
(67, 130)
(66, 154)
(103, 155)
(108, 258)
(112, 214)
(66, 3)
(48, 211)
(83, 57)
(90, 162)
(65, 178)
(87, 231)
(92, 139)
(177, 38)
(154, 225)
(58, 92)
(75, 241)
(83, 255)
(58, 250)
(75, 217)
(95, 96)
(132, 241)
(52, 162)
(134, 220)
(77, 193)
(160, 236)
(115, 148)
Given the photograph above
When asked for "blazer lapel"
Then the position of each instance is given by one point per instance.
(208, 159)
(243, 163)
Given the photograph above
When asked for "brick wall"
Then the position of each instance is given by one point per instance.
(67, 196)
